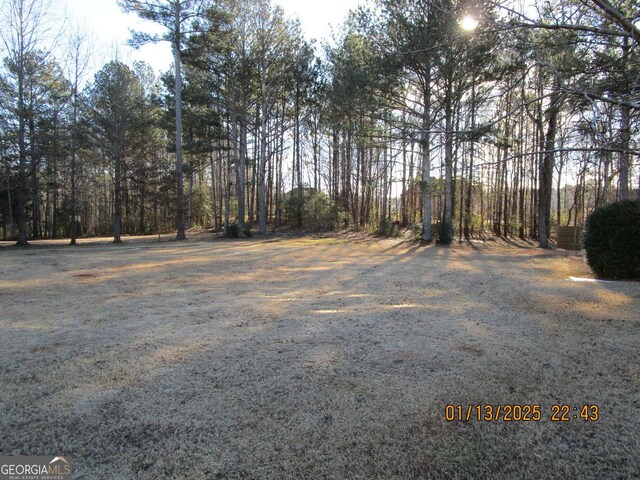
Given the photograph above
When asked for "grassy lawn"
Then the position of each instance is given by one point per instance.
(315, 358)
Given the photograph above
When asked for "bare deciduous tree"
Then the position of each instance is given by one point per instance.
(24, 26)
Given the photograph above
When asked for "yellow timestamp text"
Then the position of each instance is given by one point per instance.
(521, 413)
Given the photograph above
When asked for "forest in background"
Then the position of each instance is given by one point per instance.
(453, 118)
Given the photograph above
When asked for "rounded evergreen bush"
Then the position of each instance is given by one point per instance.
(445, 235)
(612, 240)
(233, 231)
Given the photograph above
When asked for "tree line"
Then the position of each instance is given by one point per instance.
(453, 118)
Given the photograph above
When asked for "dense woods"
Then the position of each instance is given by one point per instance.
(453, 118)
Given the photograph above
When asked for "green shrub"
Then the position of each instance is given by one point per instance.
(294, 210)
(612, 240)
(233, 230)
(202, 213)
(445, 234)
(514, 224)
(389, 229)
(316, 210)
(416, 230)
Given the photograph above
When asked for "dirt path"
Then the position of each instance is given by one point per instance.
(308, 358)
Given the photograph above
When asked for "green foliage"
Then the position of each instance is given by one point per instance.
(476, 222)
(445, 234)
(425, 188)
(233, 231)
(202, 213)
(417, 230)
(514, 223)
(390, 229)
(612, 240)
(318, 211)
(116, 97)
(293, 210)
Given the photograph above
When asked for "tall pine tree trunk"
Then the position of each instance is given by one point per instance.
(625, 133)
(446, 229)
(177, 59)
(117, 210)
(241, 165)
(545, 176)
(624, 163)
(385, 189)
(426, 156)
(262, 205)
(472, 152)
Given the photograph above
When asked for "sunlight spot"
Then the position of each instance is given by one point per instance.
(301, 269)
(23, 283)
(588, 280)
(468, 23)
(25, 325)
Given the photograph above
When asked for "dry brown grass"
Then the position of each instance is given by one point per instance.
(309, 359)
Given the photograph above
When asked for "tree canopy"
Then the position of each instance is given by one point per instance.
(512, 122)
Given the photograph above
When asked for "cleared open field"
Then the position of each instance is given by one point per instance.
(306, 359)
